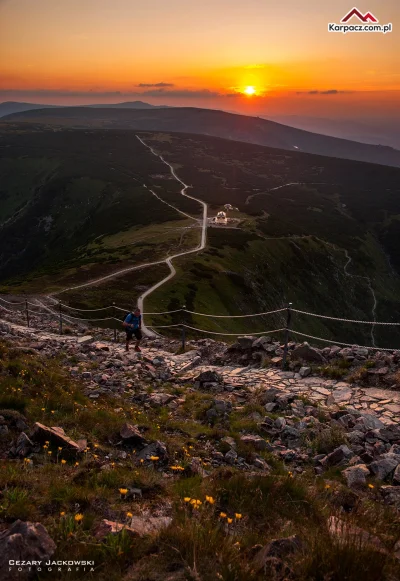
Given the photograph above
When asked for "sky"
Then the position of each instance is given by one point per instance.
(202, 54)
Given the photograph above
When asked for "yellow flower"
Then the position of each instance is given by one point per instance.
(222, 514)
(76, 464)
(371, 486)
(43, 409)
(62, 513)
(47, 442)
(187, 499)
(45, 447)
(327, 486)
(52, 411)
(229, 520)
(123, 491)
(154, 458)
(59, 448)
(63, 461)
(95, 456)
(238, 516)
(27, 461)
(113, 464)
(129, 514)
(78, 517)
(49, 452)
(141, 460)
(210, 499)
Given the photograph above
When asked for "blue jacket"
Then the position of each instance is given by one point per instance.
(131, 319)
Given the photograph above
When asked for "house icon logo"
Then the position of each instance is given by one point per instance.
(368, 17)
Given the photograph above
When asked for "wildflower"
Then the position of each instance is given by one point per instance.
(187, 499)
(238, 516)
(49, 452)
(76, 464)
(123, 491)
(141, 460)
(78, 517)
(96, 445)
(47, 442)
(59, 448)
(371, 486)
(222, 514)
(52, 411)
(229, 521)
(129, 514)
(327, 486)
(43, 409)
(63, 461)
(27, 461)
(154, 458)
(62, 513)
(113, 464)
(210, 499)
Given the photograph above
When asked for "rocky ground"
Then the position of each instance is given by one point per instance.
(215, 442)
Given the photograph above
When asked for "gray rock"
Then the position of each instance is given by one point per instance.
(304, 371)
(231, 456)
(270, 407)
(255, 441)
(209, 377)
(84, 340)
(245, 342)
(280, 423)
(306, 352)
(396, 475)
(131, 434)
(382, 468)
(278, 548)
(155, 449)
(356, 475)
(23, 541)
(262, 342)
(24, 446)
(391, 495)
(370, 421)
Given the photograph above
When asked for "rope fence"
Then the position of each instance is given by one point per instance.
(289, 310)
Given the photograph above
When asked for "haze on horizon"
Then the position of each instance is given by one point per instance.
(202, 55)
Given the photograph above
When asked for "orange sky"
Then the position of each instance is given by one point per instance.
(200, 54)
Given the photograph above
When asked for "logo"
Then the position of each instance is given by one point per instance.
(369, 23)
(368, 17)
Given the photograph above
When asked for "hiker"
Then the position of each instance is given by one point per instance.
(133, 326)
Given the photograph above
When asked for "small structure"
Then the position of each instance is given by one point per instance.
(220, 218)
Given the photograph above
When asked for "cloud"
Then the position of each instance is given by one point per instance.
(329, 92)
(155, 85)
(157, 92)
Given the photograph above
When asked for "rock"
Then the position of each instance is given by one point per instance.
(346, 533)
(278, 548)
(304, 371)
(261, 342)
(231, 456)
(396, 475)
(84, 340)
(338, 457)
(245, 342)
(87, 375)
(255, 441)
(370, 421)
(155, 449)
(131, 434)
(280, 423)
(342, 394)
(270, 407)
(24, 446)
(262, 465)
(23, 541)
(391, 495)
(55, 436)
(209, 377)
(160, 399)
(222, 406)
(269, 395)
(304, 351)
(356, 475)
(383, 467)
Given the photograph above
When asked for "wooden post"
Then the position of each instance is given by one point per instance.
(183, 330)
(27, 311)
(115, 326)
(287, 330)
(61, 322)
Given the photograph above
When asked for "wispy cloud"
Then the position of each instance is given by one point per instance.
(329, 92)
(155, 85)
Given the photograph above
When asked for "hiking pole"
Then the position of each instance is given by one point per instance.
(61, 322)
(115, 326)
(287, 330)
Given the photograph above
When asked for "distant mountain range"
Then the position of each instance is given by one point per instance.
(9, 107)
(141, 116)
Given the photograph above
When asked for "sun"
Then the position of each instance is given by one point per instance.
(249, 90)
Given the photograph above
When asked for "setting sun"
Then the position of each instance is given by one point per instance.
(250, 90)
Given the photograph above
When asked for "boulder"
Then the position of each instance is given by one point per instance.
(209, 377)
(278, 549)
(56, 436)
(155, 449)
(349, 534)
(391, 495)
(23, 541)
(23, 447)
(356, 475)
(308, 353)
(304, 371)
(84, 340)
(255, 441)
(245, 342)
(261, 342)
(383, 467)
(131, 434)
(137, 527)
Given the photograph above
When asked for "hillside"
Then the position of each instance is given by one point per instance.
(10, 107)
(216, 123)
(316, 231)
(164, 467)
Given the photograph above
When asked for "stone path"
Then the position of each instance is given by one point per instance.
(383, 403)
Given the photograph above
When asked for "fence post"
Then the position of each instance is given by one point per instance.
(115, 326)
(287, 330)
(183, 330)
(61, 322)
(27, 311)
